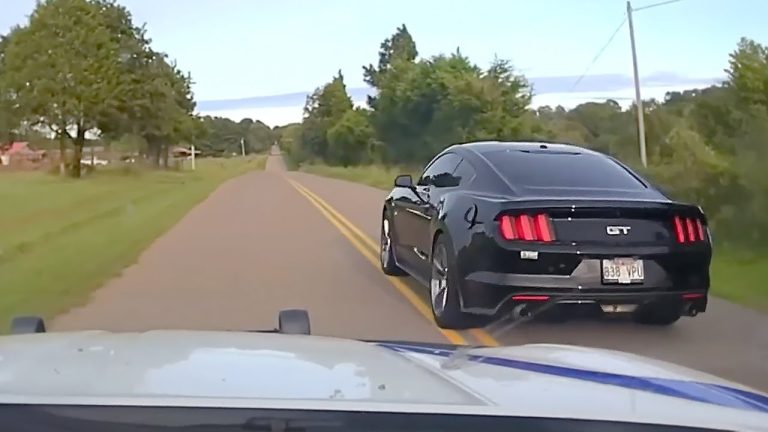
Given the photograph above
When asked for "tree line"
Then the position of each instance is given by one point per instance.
(706, 146)
(224, 136)
(82, 66)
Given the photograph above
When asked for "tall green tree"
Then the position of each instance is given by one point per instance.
(748, 72)
(423, 107)
(172, 119)
(748, 138)
(9, 112)
(325, 107)
(68, 70)
(400, 47)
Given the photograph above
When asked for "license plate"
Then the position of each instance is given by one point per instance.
(623, 270)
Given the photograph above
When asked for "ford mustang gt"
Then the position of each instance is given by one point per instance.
(506, 227)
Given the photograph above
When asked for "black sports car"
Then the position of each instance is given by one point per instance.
(504, 227)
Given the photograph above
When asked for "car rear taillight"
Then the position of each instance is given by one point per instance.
(526, 227)
(688, 230)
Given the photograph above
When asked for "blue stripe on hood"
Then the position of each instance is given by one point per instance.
(696, 391)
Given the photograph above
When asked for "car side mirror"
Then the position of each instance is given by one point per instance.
(404, 181)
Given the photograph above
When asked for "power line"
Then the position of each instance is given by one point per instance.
(610, 39)
(655, 5)
(600, 53)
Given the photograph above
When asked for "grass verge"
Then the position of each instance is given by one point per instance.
(741, 279)
(735, 277)
(63, 238)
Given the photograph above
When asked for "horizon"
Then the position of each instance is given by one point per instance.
(281, 109)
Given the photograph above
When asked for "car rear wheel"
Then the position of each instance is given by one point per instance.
(659, 314)
(444, 287)
(386, 250)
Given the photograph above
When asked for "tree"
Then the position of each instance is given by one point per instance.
(9, 113)
(82, 65)
(68, 69)
(158, 101)
(289, 140)
(749, 224)
(425, 106)
(259, 137)
(223, 136)
(743, 132)
(399, 47)
(349, 140)
(176, 106)
(748, 72)
(325, 107)
(162, 106)
(706, 146)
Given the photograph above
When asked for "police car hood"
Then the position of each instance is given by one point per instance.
(265, 370)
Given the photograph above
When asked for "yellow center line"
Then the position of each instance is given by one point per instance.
(367, 240)
(452, 336)
(484, 337)
(371, 254)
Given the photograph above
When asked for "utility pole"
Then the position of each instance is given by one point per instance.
(193, 157)
(638, 98)
(242, 146)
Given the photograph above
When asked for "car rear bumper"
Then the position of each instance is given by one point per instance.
(489, 293)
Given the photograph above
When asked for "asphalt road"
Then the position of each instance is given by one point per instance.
(272, 240)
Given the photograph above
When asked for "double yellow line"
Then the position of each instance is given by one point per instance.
(370, 250)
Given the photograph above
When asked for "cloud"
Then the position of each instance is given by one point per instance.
(612, 82)
(541, 86)
(281, 109)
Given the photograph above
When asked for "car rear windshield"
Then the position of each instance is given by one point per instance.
(562, 169)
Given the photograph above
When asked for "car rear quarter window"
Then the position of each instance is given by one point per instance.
(562, 169)
(441, 167)
(464, 172)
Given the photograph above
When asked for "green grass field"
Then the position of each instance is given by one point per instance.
(62, 238)
(739, 277)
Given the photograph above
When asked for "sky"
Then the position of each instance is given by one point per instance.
(240, 51)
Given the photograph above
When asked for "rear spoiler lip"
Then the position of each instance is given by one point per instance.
(544, 204)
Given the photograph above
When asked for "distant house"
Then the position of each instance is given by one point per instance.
(180, 152)
(20, 153)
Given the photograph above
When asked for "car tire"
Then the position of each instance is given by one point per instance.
(657, 314)
(444, 285)
(386, 250)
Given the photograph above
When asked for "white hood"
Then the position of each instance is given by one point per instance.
(235, 369)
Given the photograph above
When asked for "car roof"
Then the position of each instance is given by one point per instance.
(482, 147)
(477, 152)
